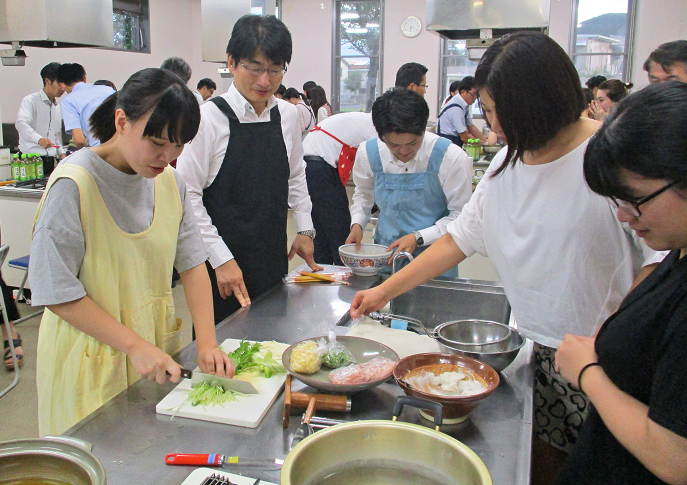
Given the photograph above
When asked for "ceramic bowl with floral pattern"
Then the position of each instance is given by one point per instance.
(369, 260)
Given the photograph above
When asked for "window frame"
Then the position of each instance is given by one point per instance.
(629, 38)
(143, 12)
(443, 73)
(336, 50)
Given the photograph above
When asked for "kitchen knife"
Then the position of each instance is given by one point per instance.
(226, 383)
(216, 459)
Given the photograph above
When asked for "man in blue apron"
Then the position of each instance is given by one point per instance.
(455, 118)
(419, 180)
(246, 168)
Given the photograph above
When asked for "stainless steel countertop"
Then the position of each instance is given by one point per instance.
(131, 440)
(6, 191)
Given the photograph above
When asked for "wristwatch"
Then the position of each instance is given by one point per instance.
(419, 240)
(310, 233)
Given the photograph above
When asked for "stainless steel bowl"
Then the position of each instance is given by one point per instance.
(499, 357)
(491, 149)
(478, 335)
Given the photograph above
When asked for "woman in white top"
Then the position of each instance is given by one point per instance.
(306, 117)
(563, 258)
(319, 103)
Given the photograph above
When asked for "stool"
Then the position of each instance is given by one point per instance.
(4, 249)
(22, 264)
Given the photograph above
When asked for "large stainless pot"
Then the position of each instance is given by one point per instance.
(55, 459)
(384, 452)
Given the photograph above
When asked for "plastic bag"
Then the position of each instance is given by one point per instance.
(306, 357)
(374, 370)
(335, 354)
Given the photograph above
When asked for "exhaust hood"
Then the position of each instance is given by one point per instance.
(472, 19)
(57, 23)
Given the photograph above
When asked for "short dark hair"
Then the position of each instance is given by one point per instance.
(292, 93)
(595, 81)
(588, 95)
(179, 67)
(668, 54)
(266, 34)
(410, 73)
(281, 90)
(400, 110)
(159, 91)
(453, 87)
(70, 73)
(105, 82)
(627, 141)
(49, 72)
(206, 82)
(466, 84)
(615, 89)
(529, 120)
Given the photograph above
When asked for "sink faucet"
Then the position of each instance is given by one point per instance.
(397, 256)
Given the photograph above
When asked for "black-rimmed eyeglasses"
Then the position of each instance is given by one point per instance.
(259, 70)
(632, 208)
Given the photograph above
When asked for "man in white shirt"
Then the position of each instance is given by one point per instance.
(413, 76)
(455, 119)
(39, 120)
(419, 181)
(204, 90)
(245, 168)
(323, 148)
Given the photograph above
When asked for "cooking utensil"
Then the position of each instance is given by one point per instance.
(57, 459)
(226, 383)
(479, 335)
(219, 460)
(304, 430)
(287, 402)
(363, 350)
(380, 451)
(498, 358)
(323, 402)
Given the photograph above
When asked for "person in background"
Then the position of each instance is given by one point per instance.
(279, 93)
(80, 103)
(453, 91)
(608, 96)
(12, 315)
(455, 119)
(105, 82)
(634, 370)
(588, 98)
(336, 137)
(319, 104)
(39, 119)
(204, 90)
(245, 169)
(419, 180)
(594, 82)
(668, 62)
(179, 67)
(306, 117)
(564, 260)
(412, 76)
(112, 221)
(307, 86)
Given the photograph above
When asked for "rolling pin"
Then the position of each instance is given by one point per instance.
(323, 402)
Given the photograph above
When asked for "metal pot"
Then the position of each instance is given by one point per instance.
(378, 451)
(55, 459)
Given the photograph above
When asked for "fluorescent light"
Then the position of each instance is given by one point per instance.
(349, 16)
(372, 25)
(357, 31)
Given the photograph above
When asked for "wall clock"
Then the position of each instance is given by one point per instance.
(411, 26)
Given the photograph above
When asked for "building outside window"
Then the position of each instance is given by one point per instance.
(455, 65)
(601, 40)
(131, 20)
(357, 58)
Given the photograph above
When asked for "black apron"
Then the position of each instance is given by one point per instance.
(248, 204)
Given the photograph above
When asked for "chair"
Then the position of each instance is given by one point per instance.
(22, 264)
(4, 249)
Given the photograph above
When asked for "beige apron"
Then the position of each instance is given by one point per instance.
(128, 276)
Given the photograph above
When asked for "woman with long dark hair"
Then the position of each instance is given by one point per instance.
(563, 258)
(319, 104)
(635, 369)
(112, 223)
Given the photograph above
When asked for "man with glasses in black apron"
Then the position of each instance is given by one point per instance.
(245, 168)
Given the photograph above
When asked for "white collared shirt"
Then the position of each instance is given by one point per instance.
(454, 176)
(199, 98)
(39, 118)
(351, 128)
(202, 158)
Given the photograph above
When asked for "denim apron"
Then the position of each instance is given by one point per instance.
(408, 201)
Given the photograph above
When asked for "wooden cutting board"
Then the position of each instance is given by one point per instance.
(248, 411)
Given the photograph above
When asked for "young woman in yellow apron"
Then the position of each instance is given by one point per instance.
(112, 223)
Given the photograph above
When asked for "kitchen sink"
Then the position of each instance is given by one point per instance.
(443, 299)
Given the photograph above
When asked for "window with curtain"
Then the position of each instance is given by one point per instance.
(357, 65)
(131, 21)
(601, 39)
(455, 65)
